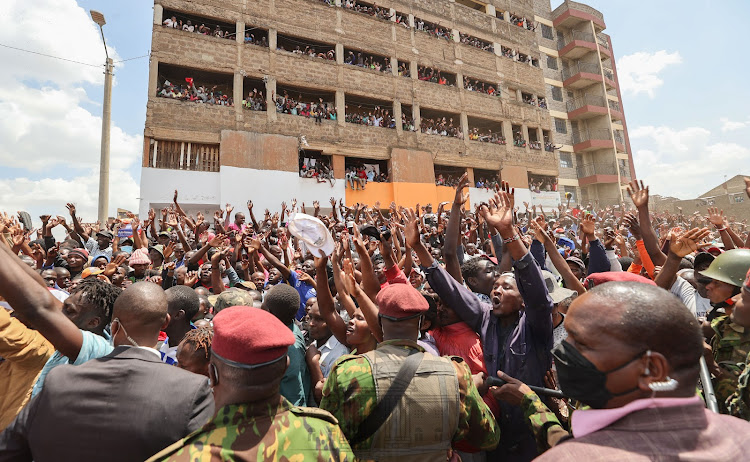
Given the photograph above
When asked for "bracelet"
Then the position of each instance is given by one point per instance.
(721, 229)
(515, 237)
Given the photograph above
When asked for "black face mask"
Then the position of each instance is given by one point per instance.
(581, 380)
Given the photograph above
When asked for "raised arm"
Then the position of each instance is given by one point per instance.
(450, 249)
(571, 282)
(325, 301)
(76, 223)
(716, 217)
(680, 247)
(24, 290)
(285, 271)
(639, 195)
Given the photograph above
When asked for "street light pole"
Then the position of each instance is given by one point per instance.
(98, 18)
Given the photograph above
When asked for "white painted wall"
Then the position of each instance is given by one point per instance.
(197, 190)
(545, 199)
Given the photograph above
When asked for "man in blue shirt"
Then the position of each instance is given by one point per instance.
(303, 282)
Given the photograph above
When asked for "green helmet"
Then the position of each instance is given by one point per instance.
(730, 267)
(232, 297)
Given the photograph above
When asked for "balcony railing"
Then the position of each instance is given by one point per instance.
(614, 105)
(600, 168)
(578, 35)
(602, 41)
(619, 138)
(586, 100)
(588, 135)
(590, 68)
(576, 6)
(608, 74)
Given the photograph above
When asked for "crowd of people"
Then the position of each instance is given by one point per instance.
(371, 10)
(431, 74)
(521, 21)
(357, 176)
(256, 101)
(476, 43)
(190, 92)
(376, 63)
(379, 117)
(302, 334)
(542, 183)
(481, 87)
(187, 25)
(434, 30)
(441, 126)
(319, 110)
(330, 55)
(318, 170)
(261, 40)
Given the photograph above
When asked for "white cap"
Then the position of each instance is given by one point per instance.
(312, 232)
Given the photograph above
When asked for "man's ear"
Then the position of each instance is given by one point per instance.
(166, 322)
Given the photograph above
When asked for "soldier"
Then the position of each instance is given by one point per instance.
(738, 404)
(231, 297)
(731, 340)
(252, 421)
(397, 402)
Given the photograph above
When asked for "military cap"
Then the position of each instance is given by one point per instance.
(106, 233)
(249, 337)
(398, 302)
(232, 297)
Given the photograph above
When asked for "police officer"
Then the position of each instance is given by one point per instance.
(399, 403)
(731, 340)
(252, 420)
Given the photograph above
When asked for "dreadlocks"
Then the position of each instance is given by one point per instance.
(100, 294)
(200, 339)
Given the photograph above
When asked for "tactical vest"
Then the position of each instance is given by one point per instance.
(422, 425)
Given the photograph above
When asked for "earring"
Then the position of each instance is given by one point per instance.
(648, 355)
(666, 385)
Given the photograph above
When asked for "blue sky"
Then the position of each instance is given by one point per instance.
(681, 68)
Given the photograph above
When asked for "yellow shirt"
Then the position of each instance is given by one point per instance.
(25, 351)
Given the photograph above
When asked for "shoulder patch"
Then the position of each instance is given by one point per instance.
(456, 359)
(314, 412)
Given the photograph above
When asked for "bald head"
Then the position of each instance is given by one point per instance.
(643, 317)
(142, 311)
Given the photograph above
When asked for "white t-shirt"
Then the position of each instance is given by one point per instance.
(697, 305)
(329, 353)
(168, 22)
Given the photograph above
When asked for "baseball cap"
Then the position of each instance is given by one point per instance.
(556, 293)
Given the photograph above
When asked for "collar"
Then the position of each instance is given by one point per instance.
(406, 344)
(153, 350)
(588, 421)
(330, 344)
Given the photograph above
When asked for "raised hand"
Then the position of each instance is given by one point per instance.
(411, 228)
(638, 193)
(539, 233)
(44, 218)
(217, 240)
(747, 186)
(716, 217)
(316, 205)
(332, 200)
(174, 199)
(588, 225)
(190, 278)
(631, 221)
(168, 250)
(71, 209)
(112, 266)
(461, 197)
(229, 209)
(499, 212)
(151, 215)
(688, 242)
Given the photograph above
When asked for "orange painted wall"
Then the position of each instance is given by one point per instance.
(404, 194)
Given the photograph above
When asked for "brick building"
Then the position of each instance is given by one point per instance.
(530, 94)
(729, 196)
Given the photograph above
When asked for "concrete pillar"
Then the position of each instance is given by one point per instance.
(508, 133)
(338, 3)
(339, 53)
(525, 135)
(392, 12)
(465, 125)
(239, 33)
(519, 95)
(270, 103)
(158, 13)
(397, 116)
(497, 48)
(394, 66)
(470, 173)
(340, 107)
(411, 20)
(456, 36)
(237, 93)
(490, 9)
(416, 116)
(506, 16)
(153, 76)
(272, 39)
(460, 79)
(413, 68)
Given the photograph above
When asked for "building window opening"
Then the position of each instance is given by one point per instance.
(407, 118)
(534, 142)
(305, 47)
(402, 19)
(557, 93)
(487, 179)
(305, 102)
(472, 84)
(552, 62)
(256, 36)
(432, 29)
(180, 155)
(486, 131)
(508, 52)
(195, 86)
(315, 165)
(255, 97)
(518, 140)
(522, 22)
(198, 25)
(441, 123)
(467, 39)
(366, 60)
(368, 111)
(471, 4)
(547, 32)
(561, 126)
(370, 9)
(448, 176)
(431, 74)
(549, 146)
(566, 160)
(541, 102)
(360, 171)
(528, 98)
(540, 183)
(404, 69)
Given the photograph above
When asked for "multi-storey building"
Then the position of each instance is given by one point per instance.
(500, 89)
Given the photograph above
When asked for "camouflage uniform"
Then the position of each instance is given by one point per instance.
(739, 403)
(262, 432)
(547, 429)
(350, 395)
(730, 346)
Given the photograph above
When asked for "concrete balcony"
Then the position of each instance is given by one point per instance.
(578, 45)
(571, 14)
(601, 172)
(582, 75)
(587, 107)
(609, 78)
(593, 140)
(615, 110)
(603, 43)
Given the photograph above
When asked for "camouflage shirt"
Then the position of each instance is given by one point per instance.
(547, 429)
(730, 345)
(350, 395)
(738, 404)
(268, 431)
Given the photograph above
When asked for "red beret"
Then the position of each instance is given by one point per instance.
(401, 301)
(596, 279)
(249, 337)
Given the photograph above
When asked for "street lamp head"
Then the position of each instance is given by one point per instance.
(98, 18)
